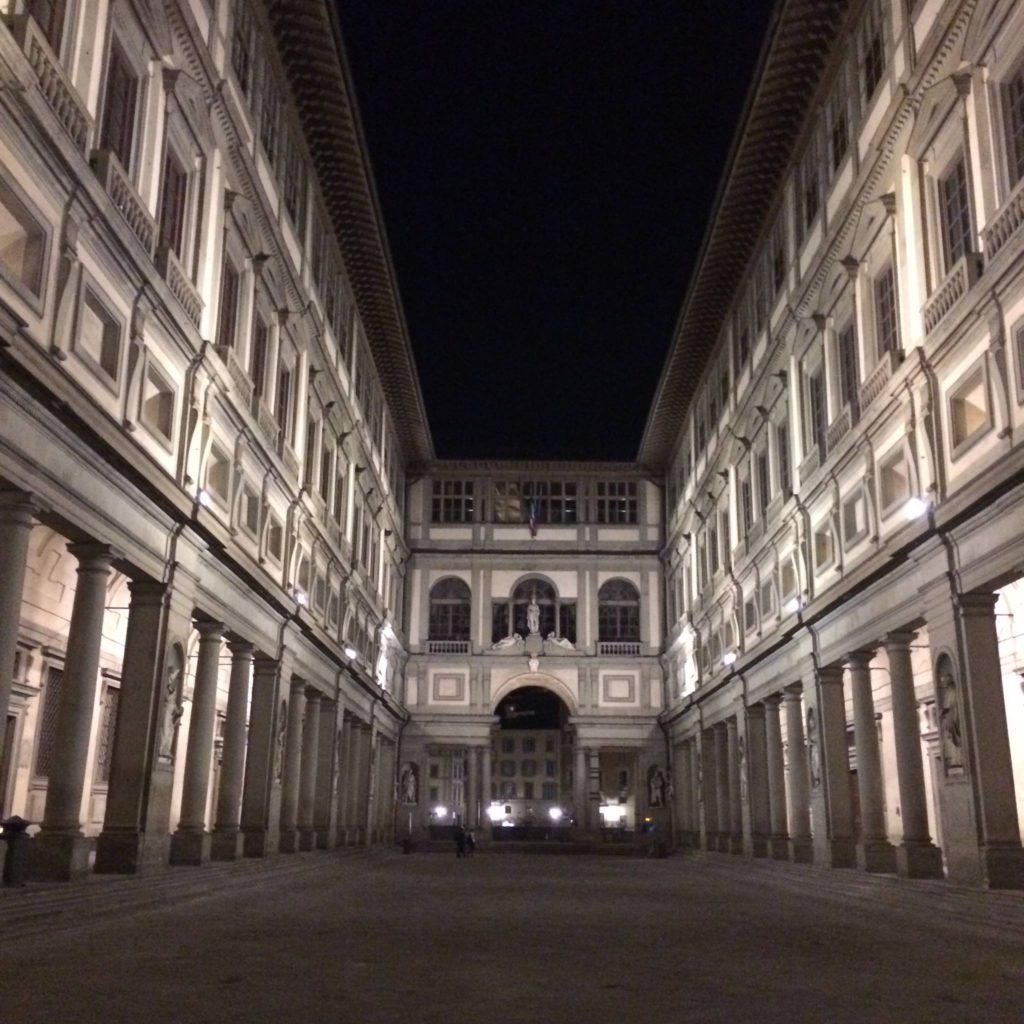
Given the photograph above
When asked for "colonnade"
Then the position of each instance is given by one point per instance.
(773, 776)
(297, 769)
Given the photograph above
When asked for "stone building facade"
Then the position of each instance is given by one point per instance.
(244, 609)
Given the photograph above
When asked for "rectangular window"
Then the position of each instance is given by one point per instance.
(778, 254)
(158, 403)
(742, 341)
(173, 200)
(887, 328)
(339, 497)
(46, 748)
(243, 46)
(270, 113)
(22, 242)
(550, 791)
(1014, 95)
(258, 362)
(99, 336)
(823, 553)
(283, 403)
(453, 501)
(810, 185)
(764, 489)
(872, 50)
(838, 123)
(49, 16)
(968, 408)
(782, 449)
(616, 502)
(746, 505)
(817, 427)
(228, 322)
(250, 511)
(855, 518)
(218, 474)
(553, 501)
(326, 470)
(119, 102)
(275, 538)
(312, 429)
(527, 790)
(894, 483)
(955, 210)
(849, 370)
(293, 187)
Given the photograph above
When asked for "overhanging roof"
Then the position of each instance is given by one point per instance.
(796, 49)
(309, 41)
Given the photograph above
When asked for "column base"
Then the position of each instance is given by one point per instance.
(1003, 866)
(131, 853)
(736, 845)
(877, 857)
(837, 853)
(779, 847)
(190, 848)
(326, 838)
(722, 842)
(57, 857)
(759, 846)
(307, 838)
(801, 851)
(919, 860)
(260, 842)
(227, 845)
(289, 841)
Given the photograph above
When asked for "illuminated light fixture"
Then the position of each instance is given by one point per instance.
(203, 498)
(440, 812)
(729, 658)
(495, 813)
(555, 814)
(613, 814)
(351, 653)
(301, 598)
(793, 606)
(915, 508)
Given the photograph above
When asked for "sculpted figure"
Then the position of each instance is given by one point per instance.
(949, 724)
(533, 615)
(170, 713)
(509, 641)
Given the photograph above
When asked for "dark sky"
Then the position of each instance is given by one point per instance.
(546, 169)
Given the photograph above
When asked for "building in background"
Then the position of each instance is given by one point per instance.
(243, 607)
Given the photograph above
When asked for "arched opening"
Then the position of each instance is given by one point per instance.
(450, 603)
(618, 612)
(531, 784)
(556, 615)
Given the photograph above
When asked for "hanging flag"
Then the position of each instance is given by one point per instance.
(533, 517)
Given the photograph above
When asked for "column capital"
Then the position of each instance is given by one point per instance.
(755, 710)
(92, 556)
(731, 724)
(793, 692)
(210, 630)
(148, 592)
(976, 603)
(720, 727)
(297, 686)
(830, 675)
(241, 650)
(773, 700)
(313, 696)
(899, 640)
(19, 507)
(263, 664)
(860, 659)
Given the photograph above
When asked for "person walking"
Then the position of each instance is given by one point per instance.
(460, 840)
(470, 843)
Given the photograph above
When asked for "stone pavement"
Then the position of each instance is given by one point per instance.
(378, 937)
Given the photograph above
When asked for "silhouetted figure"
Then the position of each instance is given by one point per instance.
(460, 841)
(470, 843)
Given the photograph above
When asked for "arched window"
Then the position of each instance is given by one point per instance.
(449, 610)
(557, 616)
(618, 611)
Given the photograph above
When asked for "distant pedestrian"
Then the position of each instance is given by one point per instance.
(470, 843)
(460, 841)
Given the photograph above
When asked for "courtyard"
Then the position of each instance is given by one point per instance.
(369, 937)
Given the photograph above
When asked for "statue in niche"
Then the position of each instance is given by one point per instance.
(533, 615)
(408, 786)
(950, 730)
(700, 778)
(742, 744)
(171, 711)
(813, 747)
(282, 725)
(655, 786)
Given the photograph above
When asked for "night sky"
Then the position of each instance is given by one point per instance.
(546, 171)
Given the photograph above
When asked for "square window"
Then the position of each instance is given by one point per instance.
(550, 769)
(894, 483)
(550, 791)
(218, 473)
(508, 792)
(508, 745)
(823, 547)
(435, 771)
(250, 511)
(275, 538)
(855, 518)
(528, 768)
(529, 745)
(508, 768)
(158, 403)
(767, 597)
(968, 410)
(22, 243)
(98, 340)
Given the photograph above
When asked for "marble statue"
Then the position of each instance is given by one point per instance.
(949, 724)
(505, 642)
(170, 713)
(533, 615)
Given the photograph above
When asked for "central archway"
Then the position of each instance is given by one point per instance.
(532, 757)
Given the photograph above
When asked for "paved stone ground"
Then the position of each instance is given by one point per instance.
(370, 938)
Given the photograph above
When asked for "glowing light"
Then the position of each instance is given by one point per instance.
(507, 823)
(301, 599)
(613, 814)
(915, 508)
(351, 653)
(440, 812)
(555, 813)
(729, 658)
(793, 606)
(203, 498)
(495, 813)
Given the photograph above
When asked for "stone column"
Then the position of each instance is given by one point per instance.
(681, 791)
(308, 771)
(579, 794)
(757, 781)
(695, 793)
(485, 785)
(344, 778)
(735, 786)
(831, 808)
(988, 745)
(709, 789)
(355, 797)
(16, 512)
(723, 805)
(61, 852)
(190, 844)
(776, 762)
(916, 856)
(594, 789)
(874, 852)
(327, 776)
(226, 841)
(292, 776)
(800, 850)
(262, 792)
(135, 835)
(370, 791)
(472, 798)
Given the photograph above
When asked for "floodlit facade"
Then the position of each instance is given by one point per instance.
(244, 609)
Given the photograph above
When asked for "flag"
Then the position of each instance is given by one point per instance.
(533, 517)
